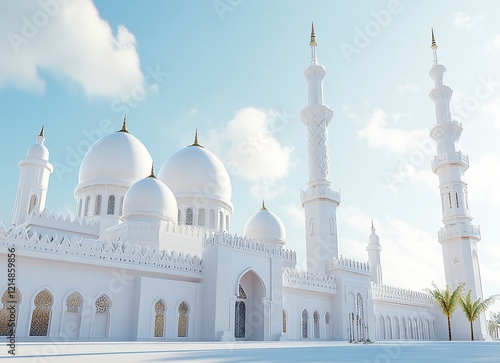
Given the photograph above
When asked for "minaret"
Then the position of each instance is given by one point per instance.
(33, 181)
(458, 237)
(374, 249)
(319, 200)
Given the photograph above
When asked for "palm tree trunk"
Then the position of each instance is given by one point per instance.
(449, 328)
(471, 331)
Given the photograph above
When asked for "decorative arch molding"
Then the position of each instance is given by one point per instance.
(250, 269)
(5, 313)
(41, 313)
(159, 317)
(183, 311)
(101, 307)
(72, 306)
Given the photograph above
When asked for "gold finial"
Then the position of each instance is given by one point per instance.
(195, 143)
(124, 125)
(312, 43)
(41, 131)
(433, 45)
(263, 205)
(152, 175)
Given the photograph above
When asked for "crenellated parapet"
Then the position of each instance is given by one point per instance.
(322, 191)
(350, 264)
(459, 230)
(63, 224)
(223, 239)
(399, 295)
(112, 250)
(308, 280)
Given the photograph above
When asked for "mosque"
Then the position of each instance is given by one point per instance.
(150, 256)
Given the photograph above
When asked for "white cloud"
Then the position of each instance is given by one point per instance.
(408, 87)
(483, 177)
(379, 135)
(493, 44)
(296, 214)
(71, 42)
(462, 20)
(493, 108)
(250, 150)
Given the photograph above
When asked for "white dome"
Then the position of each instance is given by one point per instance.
(265, 225)
(38, 151)
(116, 157)
(149, 198)
(373, 239)
(195, 171)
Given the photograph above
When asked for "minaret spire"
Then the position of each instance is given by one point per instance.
(152, 175)
(195, 143)
(124, 125)
(313, 45)
(263, 205)
(434, 47)
(41, 131)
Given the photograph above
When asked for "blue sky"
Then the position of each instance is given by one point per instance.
(229, 65)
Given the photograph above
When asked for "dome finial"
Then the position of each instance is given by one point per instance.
(373, 228)
(124, 125)
(152, 175)
(41, 131)
(313, 45)
(434, 47)
(263, 205)
(195, 143)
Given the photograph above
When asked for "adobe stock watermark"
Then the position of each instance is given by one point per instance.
(121, 105)
(363, 36)
(425, 150)
(31, 26)
(223, 6)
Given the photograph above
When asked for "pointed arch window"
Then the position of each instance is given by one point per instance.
(239, 319)
(449, 200)
(179, 216)
(456, 198)
(316, 324)
(283, 318)
(102, 308)
(189, 216)
(182, 326)
(221, 220)
(72, 316)
(9, 299)
(33, 202)
(74, 303)
(201, 217)
(211, 219)
(87, 205)
(40, 318)
(333, 226)
(227, 222)
(159, 319)
(305, 324)
(111, 205)
(98, 205)
(311, 226)
(80, 208)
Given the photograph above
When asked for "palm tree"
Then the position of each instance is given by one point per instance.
(473, 309)
(446, 300)
(494, 325)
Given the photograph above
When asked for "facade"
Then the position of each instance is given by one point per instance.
(151, 257)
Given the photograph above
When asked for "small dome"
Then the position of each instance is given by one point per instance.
(266, 226)
(38, 151)
(195, 171)
(116, 157)
(150, 199)
(373, 239)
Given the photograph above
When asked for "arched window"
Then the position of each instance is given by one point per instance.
(40, 319)
(382, 327)
(404, 334)
(111, 205)
(80, 208)
(98, 205)
(283, 320)
(328, 318)
(389, 328)
(159, 319)
(9, 300)
(239, 319)
(182, 326)
(359, 318)
(311, 226)
(201, 217)
(211, 219)
(456, 198)
(227, 222)
(189, 216)
(396, 328)
(72, 316)
(305, 324)
(33, 201)
(121, 206)
(101, 316)
(333, 226)
(316, 324)
(87, 205)
(221, 221)
(179, 216)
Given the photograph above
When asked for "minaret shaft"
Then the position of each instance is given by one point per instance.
(320, 202)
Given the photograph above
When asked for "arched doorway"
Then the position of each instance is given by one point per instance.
(249, 308)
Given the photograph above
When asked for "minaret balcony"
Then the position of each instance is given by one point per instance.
(459, 230)
(446, 129)
(321, 192)
(456, 158)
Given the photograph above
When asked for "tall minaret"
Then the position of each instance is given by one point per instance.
(374, 249)
(33, 181)
(319, 200)
(459, 236)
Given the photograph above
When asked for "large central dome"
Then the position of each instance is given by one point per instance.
(118, 157)
(195, 171)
